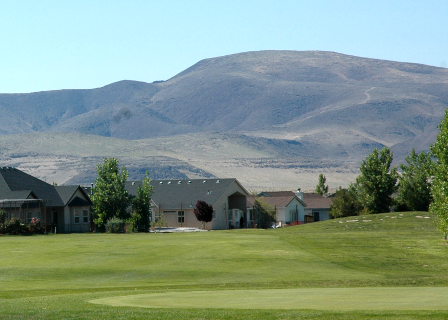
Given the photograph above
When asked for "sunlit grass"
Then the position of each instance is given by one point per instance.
(54, 276)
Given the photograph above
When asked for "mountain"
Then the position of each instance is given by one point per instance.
(295, 107)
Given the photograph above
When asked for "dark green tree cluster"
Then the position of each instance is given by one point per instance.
(111, 201)
(414, 183)
(439, 186)
(141, 207)
(345, 203)
(378, 182)
(265, 214)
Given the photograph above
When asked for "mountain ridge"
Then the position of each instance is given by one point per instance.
(311, 105)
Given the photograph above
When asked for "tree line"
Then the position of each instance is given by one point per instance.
(421, 184)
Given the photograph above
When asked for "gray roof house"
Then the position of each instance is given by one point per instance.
(176, 200)
(59, 208)
(318, 207)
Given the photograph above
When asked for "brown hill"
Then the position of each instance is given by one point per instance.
(303, 105)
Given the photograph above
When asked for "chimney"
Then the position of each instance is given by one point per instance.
(299, 194)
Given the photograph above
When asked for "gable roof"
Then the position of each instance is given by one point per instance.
(19, 184)
(316, 201)
(279, 199)
(170, 194)
(67, 192)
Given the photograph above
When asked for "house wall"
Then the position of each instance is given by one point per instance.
(77, 219)
(221, 211)
(174, 220)
(284, 214)
(223, 206)
(324, 213)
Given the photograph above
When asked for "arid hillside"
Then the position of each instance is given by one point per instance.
(258, 116)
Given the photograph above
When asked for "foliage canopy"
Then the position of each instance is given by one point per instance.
(377, 181)
(141, 206)
(345, 204)
(110, 198)
(321, 188)
(439, 187)
(414, 183)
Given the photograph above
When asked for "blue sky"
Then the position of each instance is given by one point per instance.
(51, 45)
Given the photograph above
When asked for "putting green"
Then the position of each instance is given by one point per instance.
(337, 299)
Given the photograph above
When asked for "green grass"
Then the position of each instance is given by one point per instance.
(55, 276)
(332, 299)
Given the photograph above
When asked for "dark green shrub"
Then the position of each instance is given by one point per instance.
(16, 226)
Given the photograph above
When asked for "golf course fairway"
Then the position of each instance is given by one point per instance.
(335, 299)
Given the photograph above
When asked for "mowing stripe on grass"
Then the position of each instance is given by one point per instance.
(336, 299)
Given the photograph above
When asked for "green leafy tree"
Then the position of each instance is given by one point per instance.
(321, 188)
(439, 187)
(141, 206)
(110, 198)
(345, 203)
(377, 181)
(264, 214)
(203, 212)
(414, 183)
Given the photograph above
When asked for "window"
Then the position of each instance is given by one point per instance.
(180, 216)
(85, 216)
(76, 214)
(214, 214)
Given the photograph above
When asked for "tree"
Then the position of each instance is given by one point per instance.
(110, 198)
(141, 206)
(321, 188)
(264, 213)
(439, 187)
(414, 183)
(377, 181)
(203, 212)
(345, 204)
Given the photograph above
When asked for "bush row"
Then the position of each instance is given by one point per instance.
(17, 226)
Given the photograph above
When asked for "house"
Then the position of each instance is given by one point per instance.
(59, 208)
(289, 206)
(317, 206)
(176, 200)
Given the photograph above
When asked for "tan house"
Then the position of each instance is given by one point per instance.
(176, 200)
(60, 209)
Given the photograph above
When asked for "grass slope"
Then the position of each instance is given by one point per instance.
(54, 277)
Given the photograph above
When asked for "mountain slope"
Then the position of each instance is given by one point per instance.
(285, 109)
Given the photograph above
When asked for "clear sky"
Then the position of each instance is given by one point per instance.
(65, 44)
